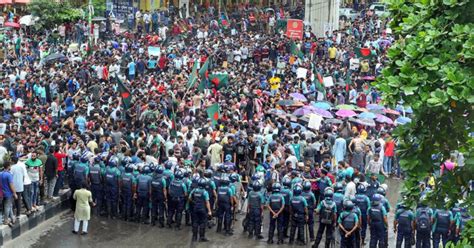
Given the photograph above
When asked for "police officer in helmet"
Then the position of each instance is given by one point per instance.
(143, 195)
(377, 220)
(201, 210)
(404, 225)
(158, 196)
(176, 200)
(128, 189)
(299, 215)
(276, 205)
(348, 223)
(327, 211)
(256, 202)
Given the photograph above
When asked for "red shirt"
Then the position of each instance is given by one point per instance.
(389, 148)
(59, 157)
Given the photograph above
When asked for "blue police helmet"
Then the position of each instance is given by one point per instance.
(256, 186)
(286, 182)
(225, 180)
(113, 162)
(195, 179)
(97, 159)
(221, 167)
(233, 177)
(381, 191)
(178, 174)
(328, 192)
(255, 177)
(208, 173)
(128, 169)
(186, 173)
(126, 160)
(159, 169)
(76, 156)
(376, 199)
(297, 189)
(338, 187)
(168, 165)
(361, 189)
(306, 186)
(348, 205)
(146, 170)
(202, 183)
(276, 187)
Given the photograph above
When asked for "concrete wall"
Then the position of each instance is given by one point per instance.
(322, 15)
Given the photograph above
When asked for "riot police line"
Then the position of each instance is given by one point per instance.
(209, 198)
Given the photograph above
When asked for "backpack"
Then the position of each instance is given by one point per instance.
(327, 213)
(423, 222)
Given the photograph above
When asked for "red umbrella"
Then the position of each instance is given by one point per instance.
(12, 24)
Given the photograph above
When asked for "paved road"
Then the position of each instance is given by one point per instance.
(103, 232)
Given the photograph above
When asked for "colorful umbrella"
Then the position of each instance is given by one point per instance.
(321, 105)
(345, 113)
(375, 107)
(298, 97)
(276, 112)
(12, 24)
(366, 115)
(303, 111)
(294, 125)
(366, 122)
(402, 120)
(333, 121)
(346, 106)
(402, 109)
(286, 102)
(323, 113)
(369, 78)
(392, 112)
(383, 119)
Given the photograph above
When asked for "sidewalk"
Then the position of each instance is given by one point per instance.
(25, 223)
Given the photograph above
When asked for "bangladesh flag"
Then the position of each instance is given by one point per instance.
(213, 113)
(295, 51)
(204, 71)
(224, 21)
(124, 93)
(219, 80)
(193, 76)
(363, 52)
(174, 132)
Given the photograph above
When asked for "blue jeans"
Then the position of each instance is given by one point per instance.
(387, 164)
(59, 183)
(35, 193)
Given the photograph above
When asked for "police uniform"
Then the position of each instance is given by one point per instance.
(461, 220)
(311, 200)
(327, 211)
(112, 177)
(287, 194)
(129, 183)
(199, 198)
(423, 226)
(299, 208)
(176, 201)
(158, 199)
(404, 218)
(376, 214)
(96, 179)
(442, 223)
(276, 202)
(363, 203)
(144, 193)
(224, 207)
(256, 201)
(81, 170)
(348, 220)
(356, 232)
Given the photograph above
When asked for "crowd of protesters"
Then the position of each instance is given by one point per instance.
(64, 120)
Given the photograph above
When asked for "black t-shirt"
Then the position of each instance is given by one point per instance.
(228, 149)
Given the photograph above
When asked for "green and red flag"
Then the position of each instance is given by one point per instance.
(193, 76)
(204, 71)
(296, 51)
(124, 93)
(224, 21)
(363, 52)
(213, 113)
(219, 80)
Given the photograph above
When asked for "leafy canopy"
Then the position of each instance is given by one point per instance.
(431, 70)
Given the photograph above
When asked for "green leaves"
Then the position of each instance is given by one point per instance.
(431, 70)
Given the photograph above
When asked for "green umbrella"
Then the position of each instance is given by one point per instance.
(346, 106)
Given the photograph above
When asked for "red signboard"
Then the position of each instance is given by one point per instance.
(294, 29)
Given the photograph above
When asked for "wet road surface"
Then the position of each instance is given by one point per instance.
(103, 232)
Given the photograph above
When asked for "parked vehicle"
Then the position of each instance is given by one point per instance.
(379, 9)
(348, 14)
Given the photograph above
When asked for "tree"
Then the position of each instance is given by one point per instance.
(53, 13)
(431, 69)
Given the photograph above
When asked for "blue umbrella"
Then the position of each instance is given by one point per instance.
(401, 109)
(366, 115)
(294, 125)
(402, 120)
(375, 107)
(321, 105)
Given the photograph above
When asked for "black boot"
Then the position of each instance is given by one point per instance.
(195, 234)
(219, 226)
(202, 234)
